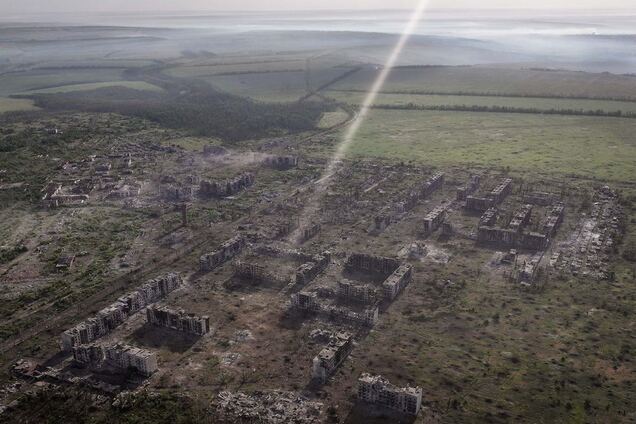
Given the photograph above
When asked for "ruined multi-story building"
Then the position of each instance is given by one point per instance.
(396, 282)
(127, 357)
(227, 187)
(256, 273)
(469, 188)
(226, 251)
(433, 184)
(362, 293)
(521, 218)
(494, 198)
(489, 218)
(282, 162)
(554, 220)
(371, 263)
(178, 320)
(310, 232)
(330, 358)
(114, 315)
(305, 301)
(368, 317)
(310, 270)
(382, 220)
(434, 219)
(88, 355)
(379, 392)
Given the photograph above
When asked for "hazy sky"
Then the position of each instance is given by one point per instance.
(31, 6)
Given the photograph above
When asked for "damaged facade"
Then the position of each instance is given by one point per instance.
(114, 315)
(226, 251)
(434, 219)
(227, 187)
(494, 198)
(379, 392)
(471, 187)
(330, 358)
(178, 320)
(119, 356)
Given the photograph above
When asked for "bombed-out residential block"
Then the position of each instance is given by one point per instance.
(433, 184)
(88, 355)
(178, 320)
(362, 293)
(468, 189)
(310, 270)
(311, 232)
(489, 218)
(434, 219)
(368, 317)
(226, 251)
(379, 392)
(554, 220)
(114, 315)
(371, 263)
(282, 162)
(128, 357)
(396, 282)
(227, 187)
(257, 273)
(330, 358)
(521, 218)
(539, 198)
(495, 197)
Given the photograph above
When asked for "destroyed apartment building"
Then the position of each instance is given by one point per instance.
(379, 392)
(114, 315)
(282, 163)
(494, 198)
(434, 219)
(226, 188)
(398, 275)
(226, 251)
(390, 213)
(514, 235)
(468, 189)
(308, 302)
(119, 356)
(178, 320)
(330, 358)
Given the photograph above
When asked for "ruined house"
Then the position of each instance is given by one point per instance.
(226, 188)
(127, 357)
(226, 251)
(178, 320)
(330, 358)
(115, 314)
(379, 392)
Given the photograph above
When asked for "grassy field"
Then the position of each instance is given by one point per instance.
(188, 71)
(136, 85)
(14, 105)
(14, 83)
(511, 102)
(588, 146)
(497, 81)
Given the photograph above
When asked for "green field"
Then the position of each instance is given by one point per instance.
(497, 81)
(14, 83)
(274, 86)
(584, 146)
(136, 85)
(356, 98)
(15, 105)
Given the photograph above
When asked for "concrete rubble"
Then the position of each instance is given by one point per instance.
(275, 407)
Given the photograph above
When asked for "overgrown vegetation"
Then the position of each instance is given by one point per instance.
(196, 106)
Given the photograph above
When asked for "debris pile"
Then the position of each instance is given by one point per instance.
(268, 408)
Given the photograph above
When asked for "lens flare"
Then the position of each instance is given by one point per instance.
(313, 205)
